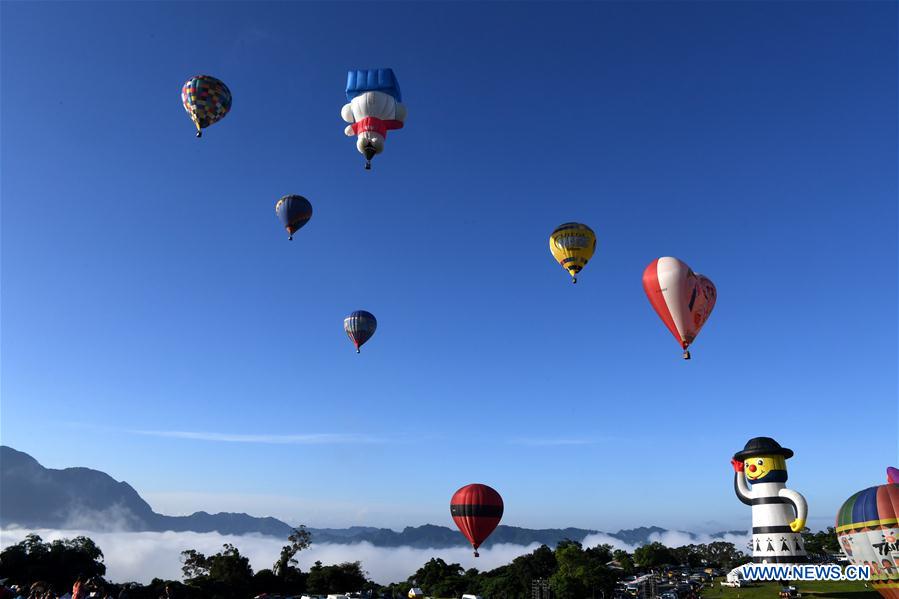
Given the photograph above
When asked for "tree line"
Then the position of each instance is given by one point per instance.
(570, 571)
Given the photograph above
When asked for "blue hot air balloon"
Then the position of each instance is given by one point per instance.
(294, 211)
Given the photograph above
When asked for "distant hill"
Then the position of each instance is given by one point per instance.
(32, 496)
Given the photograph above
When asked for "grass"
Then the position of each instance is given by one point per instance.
(810, 590)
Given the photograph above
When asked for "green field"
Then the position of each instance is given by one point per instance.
(809, 590)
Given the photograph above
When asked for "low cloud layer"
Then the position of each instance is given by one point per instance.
(142, 556)
(669, 538)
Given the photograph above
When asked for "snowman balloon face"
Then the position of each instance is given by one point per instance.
(758, 467)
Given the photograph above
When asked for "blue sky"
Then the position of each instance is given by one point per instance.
(148, 289)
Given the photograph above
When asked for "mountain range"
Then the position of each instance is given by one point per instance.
(32, 496)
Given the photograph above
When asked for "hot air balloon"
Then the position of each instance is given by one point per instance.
(206, 99)
(476, 510)
(682, 298)
(359, 327)
(294, 211)
(868, 532)
(374, 109)
(572, 245)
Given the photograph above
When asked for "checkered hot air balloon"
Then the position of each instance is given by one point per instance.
(206, 99)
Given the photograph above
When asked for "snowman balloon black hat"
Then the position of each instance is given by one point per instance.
(778, 513)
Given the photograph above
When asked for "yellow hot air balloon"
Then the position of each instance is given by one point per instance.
(572, 245)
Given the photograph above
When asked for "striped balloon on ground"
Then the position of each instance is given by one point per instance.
(869, 535)
(359, 327)
(682, 299)
(572, 245)
(206, 99)
(293, 211)
(476, 510)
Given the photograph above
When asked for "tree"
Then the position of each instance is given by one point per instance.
(625, 561)
(58, 563)
(298, 540)
(722, 554)
(653, 555)
(820, 543)
(689, 555)
(225, 574)
(582, 573)
(437, 578)
(340, 578)
(266, 581)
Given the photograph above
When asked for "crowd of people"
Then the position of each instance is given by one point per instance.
(83, 588)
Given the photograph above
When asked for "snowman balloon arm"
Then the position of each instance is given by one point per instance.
(799, 505)
(400, 112)
(742, 490)
(346, 113)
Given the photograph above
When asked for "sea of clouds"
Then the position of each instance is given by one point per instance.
(142, 556)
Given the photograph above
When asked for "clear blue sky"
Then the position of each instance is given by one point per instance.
(148, 288)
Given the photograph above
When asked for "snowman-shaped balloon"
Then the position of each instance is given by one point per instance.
(374, 109)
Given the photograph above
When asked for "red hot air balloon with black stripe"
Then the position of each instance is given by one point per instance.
(293, 211)
(359, 327)
(476, 510)
(682, 298)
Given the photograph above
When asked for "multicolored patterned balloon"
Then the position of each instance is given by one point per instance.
(206, 99)
(294, 211)
(359, 327)
(868, 531)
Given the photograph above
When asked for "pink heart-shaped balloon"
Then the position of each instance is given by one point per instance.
(683, 299)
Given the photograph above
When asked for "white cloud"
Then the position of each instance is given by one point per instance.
(141, 556)
(669, 538)
(551, 442)
(676, 538)
(306, 439)
(604, 539)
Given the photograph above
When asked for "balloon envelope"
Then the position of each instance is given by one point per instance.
(869, 535)
(476, 510)
(206, 99)
(682, 299)
(572, 245)
(359, 327)
(293, 211)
